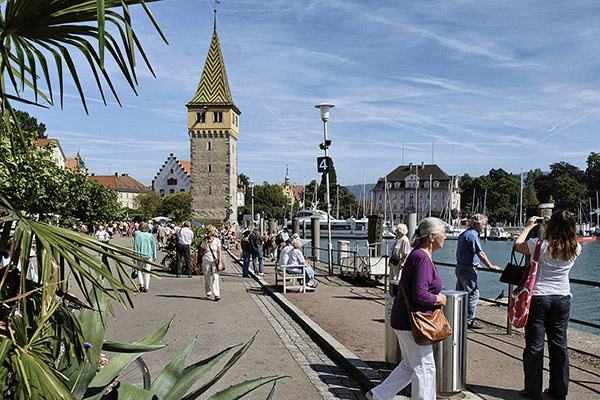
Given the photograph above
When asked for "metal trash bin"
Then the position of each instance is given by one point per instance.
(451, 354)
(392, 347)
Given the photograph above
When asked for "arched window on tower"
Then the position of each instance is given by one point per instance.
(209, 146)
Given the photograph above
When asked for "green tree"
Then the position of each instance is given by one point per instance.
(33, 183)
(176, 206)
(466, 197)
(28, 124)
(244, 179)
(529, 192)
(270, 201)
(148, 204)
(565, 185)
(592, 173)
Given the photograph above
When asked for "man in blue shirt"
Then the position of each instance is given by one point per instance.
(469, 256)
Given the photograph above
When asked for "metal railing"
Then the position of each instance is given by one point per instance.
(360, 253)
(510, 289)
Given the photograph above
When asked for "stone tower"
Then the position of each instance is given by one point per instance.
(213, 127)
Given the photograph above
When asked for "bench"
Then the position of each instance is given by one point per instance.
(292, 277)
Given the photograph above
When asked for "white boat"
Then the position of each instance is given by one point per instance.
(453, 233)
(499, 233)
(350, 228)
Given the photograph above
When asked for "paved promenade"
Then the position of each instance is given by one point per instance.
(352, 314)
(281, 346)
(344, 318)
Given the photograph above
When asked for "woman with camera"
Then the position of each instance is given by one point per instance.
(550, 303)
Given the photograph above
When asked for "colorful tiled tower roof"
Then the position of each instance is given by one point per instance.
(213, 88)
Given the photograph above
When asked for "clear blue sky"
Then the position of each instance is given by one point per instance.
(492, 84)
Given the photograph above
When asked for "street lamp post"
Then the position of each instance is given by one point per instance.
(252, 189)
(324, 107)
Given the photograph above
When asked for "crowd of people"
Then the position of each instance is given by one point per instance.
(413, 274)
(421, 286)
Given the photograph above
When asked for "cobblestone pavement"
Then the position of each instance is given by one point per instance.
(330, 380)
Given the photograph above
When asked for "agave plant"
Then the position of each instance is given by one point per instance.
(173, 383)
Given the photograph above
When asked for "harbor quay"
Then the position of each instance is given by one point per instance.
(351, 315)
(330, 342)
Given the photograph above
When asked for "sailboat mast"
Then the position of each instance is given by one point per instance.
(337, 203)
(521, 201)
(385, 188)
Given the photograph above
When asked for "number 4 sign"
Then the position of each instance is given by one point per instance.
(322, 164)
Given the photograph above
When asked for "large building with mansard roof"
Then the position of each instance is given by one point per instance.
(213, 128)
(395, 194)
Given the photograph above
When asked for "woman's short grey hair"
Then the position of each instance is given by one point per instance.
(297, 243)
(427, 226)
(401, 228)
(477, 219)
(144, 227)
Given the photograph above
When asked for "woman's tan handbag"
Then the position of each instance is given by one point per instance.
(427, 328)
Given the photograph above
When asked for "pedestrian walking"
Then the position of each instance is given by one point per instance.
(184, 239)
(144, 244)
(246, 253)
(422, 284)
(469, 256)
(257, 254)
(550, 304)
(212, 263)
(161, 234)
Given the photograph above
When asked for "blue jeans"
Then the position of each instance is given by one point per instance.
(260, 260)
(467, 280)
(548, 316)
(246, 263)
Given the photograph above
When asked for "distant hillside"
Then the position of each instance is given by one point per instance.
(357, 190)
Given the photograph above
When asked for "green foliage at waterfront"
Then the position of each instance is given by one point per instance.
(176, 206)
(566, 186)
(34, 184)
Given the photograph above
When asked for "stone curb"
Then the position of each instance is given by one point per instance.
(359, 370)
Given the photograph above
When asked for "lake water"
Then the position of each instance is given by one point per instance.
(585, 304)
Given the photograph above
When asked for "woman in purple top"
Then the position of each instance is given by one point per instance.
(422, 284)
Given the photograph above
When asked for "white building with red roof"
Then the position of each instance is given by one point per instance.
(173, 177)
(126, 187)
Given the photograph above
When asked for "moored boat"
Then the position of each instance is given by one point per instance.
(350, 228)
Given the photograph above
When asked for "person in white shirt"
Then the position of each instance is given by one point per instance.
(212, 263)
(285, 252)
(184, 240)
(101, 233)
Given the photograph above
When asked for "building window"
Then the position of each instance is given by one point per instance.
(182, 190)
(396, 185)
(209, 146)
(210, 190)
(426, 185)
(171, 182)
(209, 168)
(162, 192)
(171, 170)
(436, 184)
(171, 191)
(217, 117)
(201, 117)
